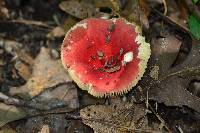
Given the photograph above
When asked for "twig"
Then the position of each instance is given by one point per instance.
(21, 103)
(187, 69)
(75, 117)
(147, 99)
(165, 7)
(179, 129)
(61, 112)
(11, 101)
(16, 102)
(159, 118)
(32, 22)
(171, 22)
(156, 114)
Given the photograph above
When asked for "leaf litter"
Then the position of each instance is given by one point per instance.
(117, 117)
(46, 73)
(171, 81)
(172, 77)
(10, 113)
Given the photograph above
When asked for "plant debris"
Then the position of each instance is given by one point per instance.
(167, 77)
(10, 113)
(117, 117)
(37, 95)
(46, 73)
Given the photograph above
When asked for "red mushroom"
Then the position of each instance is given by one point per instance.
(105, 57)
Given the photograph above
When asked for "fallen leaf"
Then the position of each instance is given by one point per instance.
(112, 4)
(10, 113)
(46, 73)
(116, 118)
(87, 99)
(15, 49)
(137, 12)
(178, 13)
(78, 127)
(7, 129)
(77, 9)
(69, 22)
(57, 123)
(64, 95)
(145, 12)
(172, 88)
(165, 51)
(23, 69)
(172, 80)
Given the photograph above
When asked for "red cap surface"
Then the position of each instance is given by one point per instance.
(105, 57)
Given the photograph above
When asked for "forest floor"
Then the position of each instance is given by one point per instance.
(37, 94)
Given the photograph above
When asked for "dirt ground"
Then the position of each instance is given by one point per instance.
(38, 96)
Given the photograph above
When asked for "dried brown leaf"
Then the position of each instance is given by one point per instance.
(117, 118)
(46, 73)
(113, 4)
(23, 69)
(77, 9)
(172, 89)
(172, 81)
(137, 12)
(69, 22)
(7, 129)
(10, 113)
(64, 95)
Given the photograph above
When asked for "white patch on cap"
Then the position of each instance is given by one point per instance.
(114, 20)
(84, 25)
(128, 57)
(69, 47)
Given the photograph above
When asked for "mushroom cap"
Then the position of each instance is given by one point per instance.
(105, 57)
